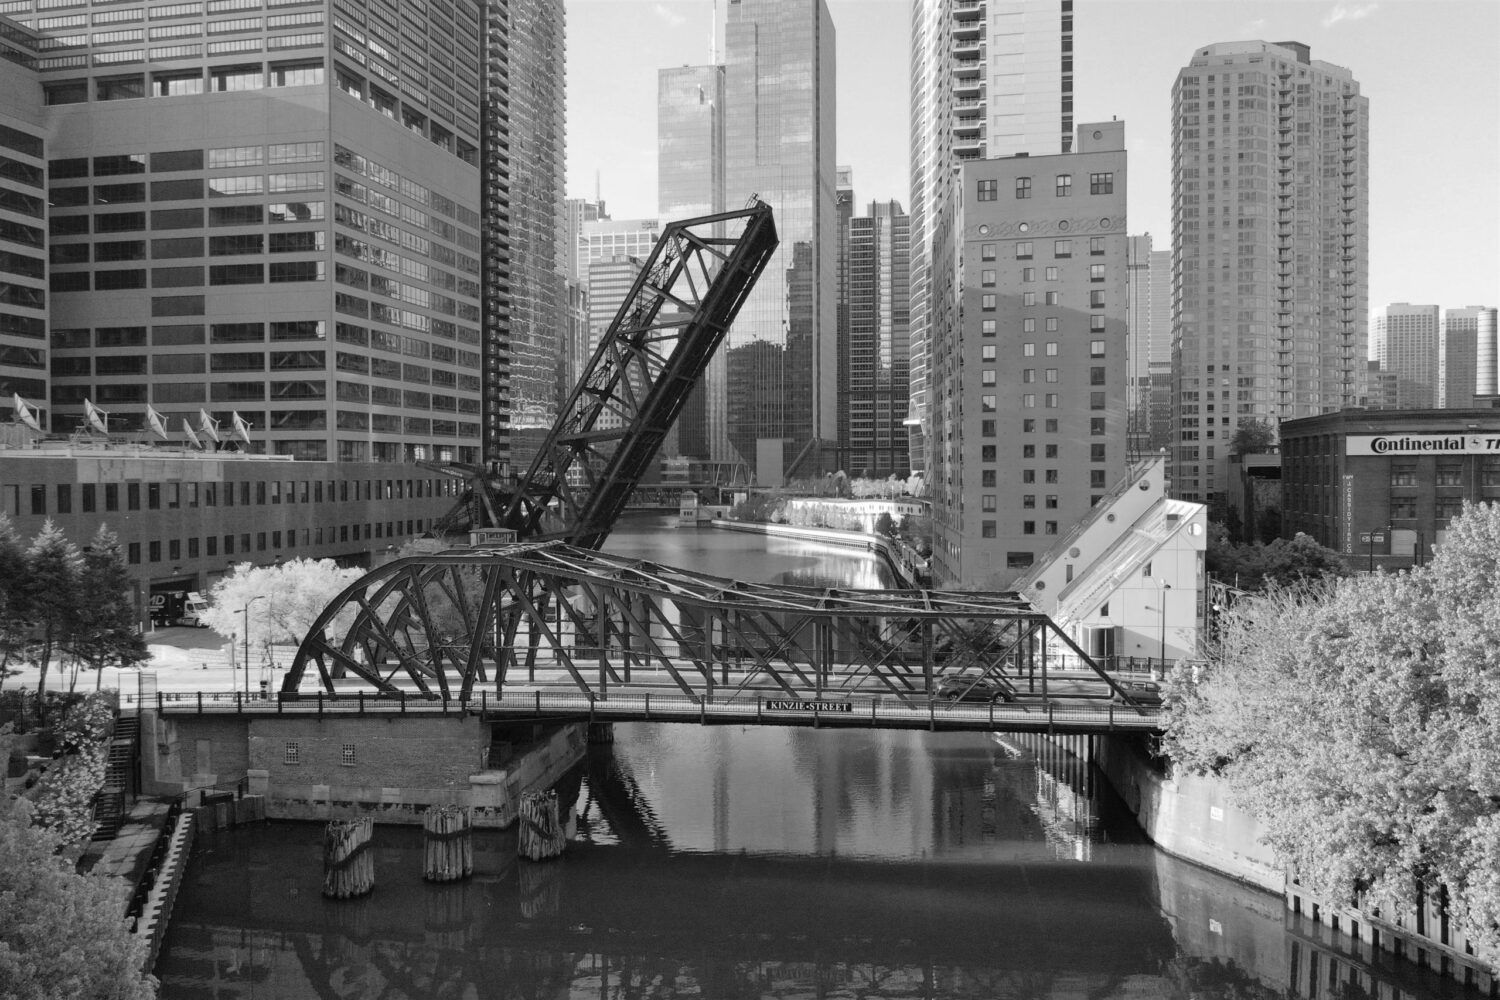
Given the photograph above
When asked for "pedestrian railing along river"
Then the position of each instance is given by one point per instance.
(566, 704)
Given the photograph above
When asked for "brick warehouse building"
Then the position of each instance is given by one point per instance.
(1380, 486)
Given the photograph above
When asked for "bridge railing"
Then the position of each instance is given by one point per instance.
(876, 711)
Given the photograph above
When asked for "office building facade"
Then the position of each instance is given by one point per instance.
(1404, 342)
(1270, 231)
(875, 268)
(1029, 357)
(690, 184)
(989, 78)
(781, 359)
(1466, 333)
(1149, 301)
(295, 150)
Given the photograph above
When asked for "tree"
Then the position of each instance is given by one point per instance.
(62, 935)
(49, 592)
(13, 624)
(1253, 566)
(1359, 719)
(283, 600)
(1252, 437)
(885, 525)
(104, 631)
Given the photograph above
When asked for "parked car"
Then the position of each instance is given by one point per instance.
(1146, 693)
(971, 689)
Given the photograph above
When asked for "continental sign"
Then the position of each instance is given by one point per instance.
(1423, 444)
(798, 705)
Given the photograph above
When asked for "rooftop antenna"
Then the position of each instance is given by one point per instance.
(596, 187)
(713, 37)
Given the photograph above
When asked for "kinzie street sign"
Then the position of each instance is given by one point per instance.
(798, 705)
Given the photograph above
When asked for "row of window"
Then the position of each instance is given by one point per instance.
(189, 277)
(989, 301)
(1099, 183)
(989, 278)
(186, 188)
(180, 218)
(267, 541)
(1061, 249)
(176, 495)
(181, 82)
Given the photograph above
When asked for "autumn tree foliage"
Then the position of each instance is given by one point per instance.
(1359, 719)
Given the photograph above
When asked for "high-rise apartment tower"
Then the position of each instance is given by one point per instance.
(988, 78)
(1404, 342)
(1270, 233)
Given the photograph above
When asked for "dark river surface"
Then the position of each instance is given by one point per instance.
(727, 863)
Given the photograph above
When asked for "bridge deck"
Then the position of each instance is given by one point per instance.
(566, 705)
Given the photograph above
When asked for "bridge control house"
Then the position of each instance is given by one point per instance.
(1381, 486)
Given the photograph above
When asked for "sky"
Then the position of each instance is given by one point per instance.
(1425, 65)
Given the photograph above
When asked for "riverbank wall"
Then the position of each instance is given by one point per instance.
(1189, 816)
(391, 768)
(895, 556)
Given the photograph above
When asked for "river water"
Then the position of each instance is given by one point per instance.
(731, 863)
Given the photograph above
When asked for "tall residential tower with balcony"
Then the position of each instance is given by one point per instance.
(988, 78)
(1270, 233)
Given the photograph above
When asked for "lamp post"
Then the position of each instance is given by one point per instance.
(1162, 633)
(246, 612)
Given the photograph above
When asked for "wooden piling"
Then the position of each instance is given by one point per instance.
(542, 835)
(348, 863)
(448, 844)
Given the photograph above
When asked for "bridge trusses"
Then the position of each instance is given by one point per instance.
(448, 625)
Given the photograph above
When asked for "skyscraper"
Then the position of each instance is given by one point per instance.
(690, 183)
(1404, 342)
(876, 311)
(779, 115)
(1270, 230)
(988, 78)
(1467, 333)
(526, 265)
(1028, 356)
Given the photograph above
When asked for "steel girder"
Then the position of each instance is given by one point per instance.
(436, 626)
(658, 346)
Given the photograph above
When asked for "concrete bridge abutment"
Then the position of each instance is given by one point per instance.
(391, 767)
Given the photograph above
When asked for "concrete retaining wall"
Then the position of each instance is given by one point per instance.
(1190, 816)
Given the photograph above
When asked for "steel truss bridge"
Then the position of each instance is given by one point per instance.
(549, 627)
(550, 630)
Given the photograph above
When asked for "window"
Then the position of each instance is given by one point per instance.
(1029, 401)
(987, 404)
(1028, 475)
(1064, 185)
(987, 327)
(1450, 475)
(1023, 250)
(1028, 350)
(987, 529)
(987, 278)
(234, 78)
(1028, 426)
(987, 503)
(1097, 480)
(346, 755)
(1028, 451)
(1102, 183)
(1096, 323)
(1096, 375)
(1028, 298)
(986, 251)
(1096, 246)
(1028, 325)
(1018, 560)
(987, 376)
(1096, 272)
(987, 353)
(1051, 400)
(1062, 248)
(989, 190)
(1028, 527)
(987, 303)
(1096, 453)
(1096, 426)
(1028, 501)
(1096, 299)
(1023, 187)
(987, 428)
(1403, 507)
(1051, 274)
(987, 478)
(1096, 401)
(1028, 274)
(1403, 475)
(1028, 375)
(1054, 298)
(1051, 348)
(293, 753)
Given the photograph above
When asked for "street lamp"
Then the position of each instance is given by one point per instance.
(1162, 634)
(246, 612)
